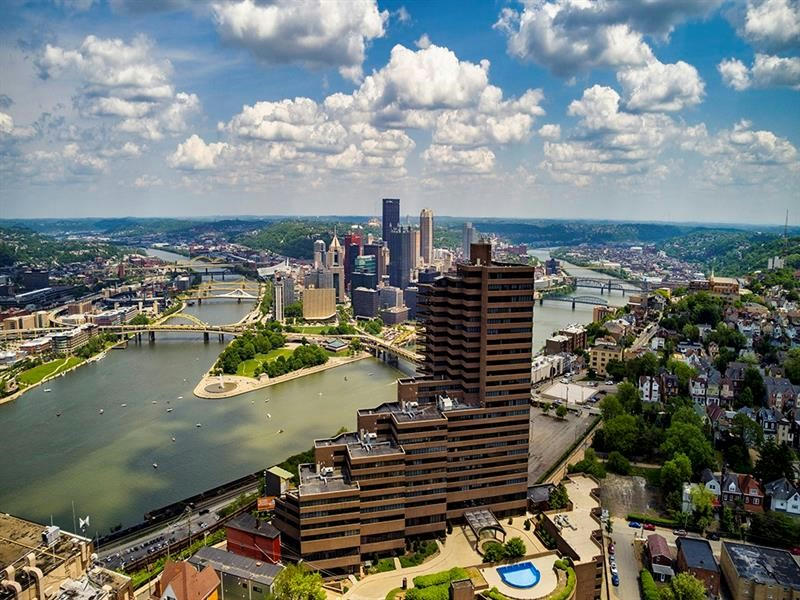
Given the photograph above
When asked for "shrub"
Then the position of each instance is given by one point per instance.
(436, 592)
(493, 552)
(495, 594)
(423, 581)
(618, 464)
(649, 588)
(514, 548)
(527, 524)
(425, 550)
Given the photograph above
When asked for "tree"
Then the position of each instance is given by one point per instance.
(726, 520)
(774, 461)
(293, 310)
(703, 505)
(515, 548)
(688, 439)
(673, 474)
(755, 383)
(747, 430)
(791, 365)
(618, 464)
(611, 407)
(140, 319)
(628, 394)
(493, 552)
(559, 498)
(295, 583)
(621, 433)
(691, 332)
(685, 586)
(561, 411)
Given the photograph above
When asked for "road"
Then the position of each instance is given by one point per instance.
(193, 523)
(628, 562)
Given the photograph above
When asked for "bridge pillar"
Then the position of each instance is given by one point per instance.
(139, 337)
(152, 335)
(221, 337)
(609, 287)
(623, 292)
(205, 337)
(207, 273)
(573, 304)
(541, 300)
(223, 276)
(199, 301)
(238, 300)
(601, 290)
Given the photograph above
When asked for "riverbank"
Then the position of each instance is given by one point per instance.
(60, 373)
(243, 385)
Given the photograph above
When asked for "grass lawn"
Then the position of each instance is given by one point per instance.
(314, 329)
(247, 368)
(36, 374)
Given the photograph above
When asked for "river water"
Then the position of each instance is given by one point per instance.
(551, 316)
(103, 462)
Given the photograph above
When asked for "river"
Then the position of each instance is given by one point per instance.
(552, 316)
(103, 462)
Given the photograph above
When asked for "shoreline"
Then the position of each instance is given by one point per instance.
(245, 385)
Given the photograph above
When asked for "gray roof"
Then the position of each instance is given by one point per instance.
(780, 489)
(247, 522)
(233, 564)
(707, 476)
(540, 493)
(697, 553)
(763, 565)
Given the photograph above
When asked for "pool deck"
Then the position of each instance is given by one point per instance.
(547, 583)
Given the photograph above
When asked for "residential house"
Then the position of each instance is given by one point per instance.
(669, 386)
(783, 496)
(650, 388)
(768, 419)
(733, 380)
(742, 490)
(660, 557)
(181, 581)
(241, 578)
(781, 394)
(696, 557)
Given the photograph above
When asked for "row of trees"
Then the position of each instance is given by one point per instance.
(301, 357)
(259, 341)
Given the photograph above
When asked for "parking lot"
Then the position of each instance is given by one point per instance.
(550, 438)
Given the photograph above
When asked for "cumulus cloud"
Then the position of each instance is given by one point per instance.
(146, 181)
(607, 140)
(772, 24)
(573, 36)
(742, 155)
(316, 33)
(121, 81)
(659, 87)
(550, 131)
(767, 71)
(445, 158)
(196, 155)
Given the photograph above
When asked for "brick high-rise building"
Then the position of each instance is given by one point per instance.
(456, 440)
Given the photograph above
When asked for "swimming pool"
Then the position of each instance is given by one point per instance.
(521, 575)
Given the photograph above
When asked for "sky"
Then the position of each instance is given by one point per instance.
(666, 110)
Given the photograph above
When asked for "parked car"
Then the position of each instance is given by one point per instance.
(713, 535)
(611, 548)
(679, 532)
(609, 382)
(636, 525)
(613, 568)
(615, 579)
(649, 527)
(795, 550)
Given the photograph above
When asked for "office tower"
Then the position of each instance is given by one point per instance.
(334, 262)
(277, 301)
(365, 273)
(352, 252)
(400, 251)
(366, 302)
(391, 216)
(319, 254)
(410, 300)
(468, 237)
(391, 296)
(414, 254)
(456, 440)
(426, 235)
(288, 289)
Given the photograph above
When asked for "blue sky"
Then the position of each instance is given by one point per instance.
(633, 109)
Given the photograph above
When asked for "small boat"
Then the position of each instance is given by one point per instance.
(198, 424)
(58, 414)
(370, 374)
(179, 398)
(280, 430)
(269, 416)
(169, 410)
(46, 390)
(155, 465)
(173, 438)
(345, 377)
(101, 411)
(123, 405)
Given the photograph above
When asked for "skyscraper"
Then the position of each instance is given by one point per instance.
(426, 235)
(391, 216)
(455, 441)
(401, 244)
(468, 237)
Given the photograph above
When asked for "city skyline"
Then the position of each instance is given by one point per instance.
(550, 109)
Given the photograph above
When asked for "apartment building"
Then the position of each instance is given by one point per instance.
(455, 440)
(602, 352)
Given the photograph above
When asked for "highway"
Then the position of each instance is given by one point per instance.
(156, 541)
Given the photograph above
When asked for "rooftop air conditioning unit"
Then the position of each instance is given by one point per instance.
(51, 535)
